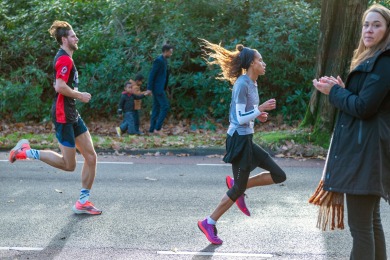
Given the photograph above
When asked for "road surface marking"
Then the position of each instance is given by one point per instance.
(97, 162)
(213, 254)
(22, 248)
(213, 164)
(109, 162)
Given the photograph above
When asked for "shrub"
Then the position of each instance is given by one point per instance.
(285, 33)
(121, 38)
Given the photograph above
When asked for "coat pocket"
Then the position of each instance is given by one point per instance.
(360, 132)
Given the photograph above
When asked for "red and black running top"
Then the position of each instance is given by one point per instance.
(64, 108)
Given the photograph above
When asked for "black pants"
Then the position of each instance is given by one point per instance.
(365, 224)
(260, 158)
(136, 120)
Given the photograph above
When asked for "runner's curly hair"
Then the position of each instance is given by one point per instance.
(59, 29)
(229, 61)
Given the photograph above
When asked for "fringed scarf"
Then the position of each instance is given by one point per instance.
(331, 211)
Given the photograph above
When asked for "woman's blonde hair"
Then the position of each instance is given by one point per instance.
(229, 61)
(59, 29)
(362, 52)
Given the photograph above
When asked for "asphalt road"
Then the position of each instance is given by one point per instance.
(150, 210)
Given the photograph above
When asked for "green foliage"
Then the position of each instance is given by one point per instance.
(295, 102)
(385, 3)
(120, 38)
(285, 33)
(20, 96)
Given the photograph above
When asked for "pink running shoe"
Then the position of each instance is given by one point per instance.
(19, 151)
(241, 200)
(87, 208)
(210, 232)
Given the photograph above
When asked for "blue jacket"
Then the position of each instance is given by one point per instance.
(359, 155)
(158, 76)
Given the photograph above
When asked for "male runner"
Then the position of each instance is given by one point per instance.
(71, 132)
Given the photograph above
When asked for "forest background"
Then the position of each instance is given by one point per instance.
(120, 38)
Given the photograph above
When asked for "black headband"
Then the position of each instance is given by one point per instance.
(246, 56)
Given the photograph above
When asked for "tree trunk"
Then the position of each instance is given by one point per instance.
(340, 30)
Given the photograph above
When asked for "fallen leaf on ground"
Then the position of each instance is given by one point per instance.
(214, 156)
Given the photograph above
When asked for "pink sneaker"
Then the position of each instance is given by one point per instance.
(241, 200)
(210, 232)
(19, 151)
(87, 208)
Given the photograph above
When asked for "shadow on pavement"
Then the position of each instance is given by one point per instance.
(58, 242)
(210, 248)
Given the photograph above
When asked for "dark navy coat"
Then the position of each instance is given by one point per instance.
(158, 76)
(359, 155)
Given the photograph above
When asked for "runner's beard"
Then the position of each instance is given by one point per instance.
(73, 47)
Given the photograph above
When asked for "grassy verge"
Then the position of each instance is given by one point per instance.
(127, 142)
(284, 142)
(295, 136)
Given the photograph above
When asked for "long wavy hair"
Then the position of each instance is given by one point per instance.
(362, 52)
(229, 61)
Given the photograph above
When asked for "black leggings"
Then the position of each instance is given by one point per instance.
(260, 158)
(365, 224)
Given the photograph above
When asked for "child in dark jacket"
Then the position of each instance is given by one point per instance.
(126, 107)
(137, 83)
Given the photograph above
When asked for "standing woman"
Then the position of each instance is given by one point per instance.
(242, 68)
(359, 156)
